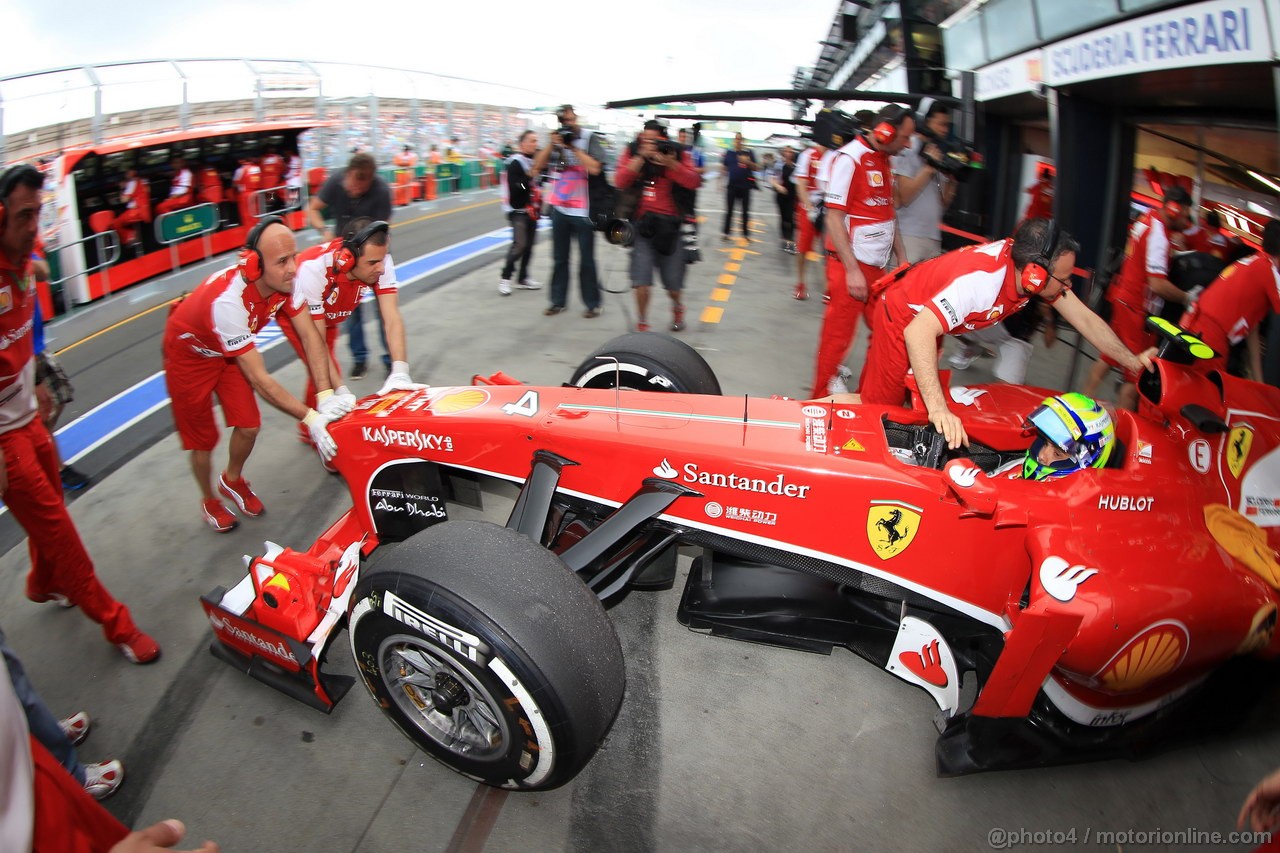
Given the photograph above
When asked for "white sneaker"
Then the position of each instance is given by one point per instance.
(76, 727)
(504, 287)
(101, 780)
(964, 358)
(836, 384)
(529, 284)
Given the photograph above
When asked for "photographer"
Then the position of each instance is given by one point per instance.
(571, 155)
(521, 202)
(658, 166)
(924, 192)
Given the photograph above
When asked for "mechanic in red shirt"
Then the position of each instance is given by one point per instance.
(1041, 192)
(972, 288)
(1207, 237)
(1231, 307)
(657, 241)
(209, 349)
(1141, 288)
(808, 195)
(332, 278)
(61, 570)
(862, 230)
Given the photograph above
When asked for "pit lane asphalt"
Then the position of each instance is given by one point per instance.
(720, 745)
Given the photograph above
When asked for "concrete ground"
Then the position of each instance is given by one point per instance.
(720, 746)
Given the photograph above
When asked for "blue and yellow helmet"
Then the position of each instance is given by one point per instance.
(1075, 424)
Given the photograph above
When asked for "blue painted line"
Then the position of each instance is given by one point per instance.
(109, 419)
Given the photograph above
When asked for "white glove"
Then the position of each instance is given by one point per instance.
(333, 406)
(399, 380)
(1194, 294)
(343, 393)
(317, 424)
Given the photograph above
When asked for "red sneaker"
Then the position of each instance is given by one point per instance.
(801, 292)
(677, 318)
(239, 491)
(139, 648)
(218, 516)
(826, 299)
(642, 326)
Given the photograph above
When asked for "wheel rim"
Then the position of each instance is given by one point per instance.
(442, 699)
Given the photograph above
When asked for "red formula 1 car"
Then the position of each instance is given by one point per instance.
(1050, 621)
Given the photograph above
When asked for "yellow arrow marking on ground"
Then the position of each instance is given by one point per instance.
(732, 267)
(725, 278)
(720, 294)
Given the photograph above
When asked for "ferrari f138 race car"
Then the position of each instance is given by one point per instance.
(1050, 621)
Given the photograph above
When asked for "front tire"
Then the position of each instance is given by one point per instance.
(647, 361)
(488, 653)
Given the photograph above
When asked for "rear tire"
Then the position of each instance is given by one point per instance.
(488, 653)
(647, 361)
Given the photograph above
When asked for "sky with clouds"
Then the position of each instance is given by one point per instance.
(586, 52)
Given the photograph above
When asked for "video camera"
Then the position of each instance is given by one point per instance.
(567, 134)
(955, 157)
(834, 128)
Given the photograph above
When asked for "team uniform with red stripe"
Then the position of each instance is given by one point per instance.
(206, 332)
(859, 183)
(806, 176)
(968, 289)
(59, 562)
(333, 296)
(1234, 304)
(1146, 254)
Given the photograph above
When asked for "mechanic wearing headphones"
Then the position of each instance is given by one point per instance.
(209, 349)
(972, 288)
(332, 279)
(1141, 288)
(61, 570)
(862, 231)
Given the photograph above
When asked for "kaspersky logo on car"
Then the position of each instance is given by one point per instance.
(692, 473)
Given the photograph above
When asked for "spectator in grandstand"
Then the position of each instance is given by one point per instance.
(740, 167)
(61, 570)
(354, 192)
(571, 159)
(1141, 288)
(209, 349)
(522, 203)
(180, 189)
(665, 173)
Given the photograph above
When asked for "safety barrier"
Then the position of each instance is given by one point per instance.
(199, 220)
(106, 247)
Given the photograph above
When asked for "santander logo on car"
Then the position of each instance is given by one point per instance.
(692, 473)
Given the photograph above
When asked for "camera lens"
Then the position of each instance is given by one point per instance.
(621, 233)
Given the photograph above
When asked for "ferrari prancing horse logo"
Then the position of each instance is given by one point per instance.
(891, 527)
(1238, 444)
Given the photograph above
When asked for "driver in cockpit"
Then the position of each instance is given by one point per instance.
(1072, 432)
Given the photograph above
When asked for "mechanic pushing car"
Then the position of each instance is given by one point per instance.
(209, 349)
(332, 279)
(968, 289)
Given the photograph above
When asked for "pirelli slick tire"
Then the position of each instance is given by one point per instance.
(647, 361)
(488, 653)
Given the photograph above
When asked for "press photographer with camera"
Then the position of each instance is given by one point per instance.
(570, 157)
(665, 176)
(924, 190)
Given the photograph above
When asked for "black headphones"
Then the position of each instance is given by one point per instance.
(345, 259)
(251, 264)
(1035, 273)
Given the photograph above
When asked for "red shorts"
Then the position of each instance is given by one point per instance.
(1130, 327)
(807, 231)
(193, 380)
